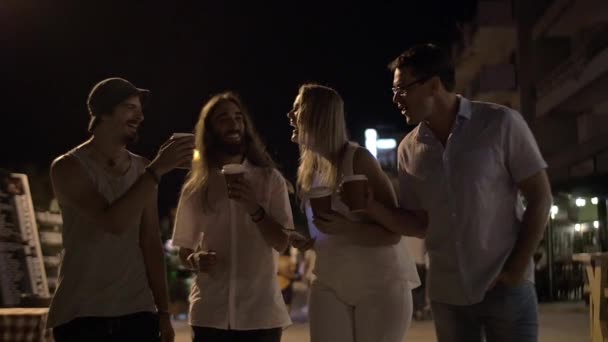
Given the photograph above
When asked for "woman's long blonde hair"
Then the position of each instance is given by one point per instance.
(321, 135)
(255, 151)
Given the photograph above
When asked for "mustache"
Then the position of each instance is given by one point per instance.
(215, 138)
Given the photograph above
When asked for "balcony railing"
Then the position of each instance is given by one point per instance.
(585, 46)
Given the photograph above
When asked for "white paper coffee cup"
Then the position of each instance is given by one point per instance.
(320, 200)
(233, 172)
(354, 188)
(181, 135)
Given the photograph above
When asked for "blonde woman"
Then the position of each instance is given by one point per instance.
(231, 234)
(364, 275)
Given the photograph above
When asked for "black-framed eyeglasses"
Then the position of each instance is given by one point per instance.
(402, 91)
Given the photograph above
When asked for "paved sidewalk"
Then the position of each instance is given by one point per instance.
(559, 322)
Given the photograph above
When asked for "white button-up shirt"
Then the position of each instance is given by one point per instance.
(242, 291)
(469, 189)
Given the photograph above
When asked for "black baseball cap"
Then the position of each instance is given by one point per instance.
(108, 93)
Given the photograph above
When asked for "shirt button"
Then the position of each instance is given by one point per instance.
(453, 214)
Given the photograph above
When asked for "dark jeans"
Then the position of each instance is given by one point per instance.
(541, 279)
(287, 294)
(141, 326)
(506, 314)
(204, 334)
(419, 293)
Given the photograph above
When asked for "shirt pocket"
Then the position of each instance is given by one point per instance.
(426, 177)
(479, 166)
(424, 164)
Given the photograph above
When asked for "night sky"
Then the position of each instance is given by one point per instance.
(53, 52)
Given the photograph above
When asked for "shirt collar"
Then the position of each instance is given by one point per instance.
(464, 113)
(464, 108)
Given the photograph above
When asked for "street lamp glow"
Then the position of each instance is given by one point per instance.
(371, 139)
(580, 202)
(386, 144)
(596, 224)
(594, 201)
(554, 211)
(577, 227)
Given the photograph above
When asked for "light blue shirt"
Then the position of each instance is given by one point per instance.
(469, 189)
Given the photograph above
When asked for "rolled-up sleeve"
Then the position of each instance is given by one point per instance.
(188, 222)
(279, 207)
(408, 198)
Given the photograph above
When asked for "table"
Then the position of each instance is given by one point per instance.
(24, 325)
(596, 265)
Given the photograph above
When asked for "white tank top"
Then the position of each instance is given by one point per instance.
(350, 268)
(101, 274)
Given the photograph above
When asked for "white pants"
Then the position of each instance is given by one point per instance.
(380, 314)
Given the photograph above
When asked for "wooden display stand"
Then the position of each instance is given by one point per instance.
(596, 265)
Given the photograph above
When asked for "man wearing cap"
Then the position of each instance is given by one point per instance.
(112, 282)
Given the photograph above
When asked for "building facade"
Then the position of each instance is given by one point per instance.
(549, 60)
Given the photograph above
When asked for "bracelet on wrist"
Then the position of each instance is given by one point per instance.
(152, 173)
(257, 212)
(260, 214)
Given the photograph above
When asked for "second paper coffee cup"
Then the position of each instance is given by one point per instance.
(354, 189)
(188, 166)
(320, 200)
(232, 172)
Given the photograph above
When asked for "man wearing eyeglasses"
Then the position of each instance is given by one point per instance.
(460, 170)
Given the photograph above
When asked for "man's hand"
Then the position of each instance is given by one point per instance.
(241, 191)
(175, 152)
(166, 329)
(302, 244)
(369, 197)
(331, 223)
(509, 279)
(203, 261)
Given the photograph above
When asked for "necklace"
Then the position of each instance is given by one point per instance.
(111, 162)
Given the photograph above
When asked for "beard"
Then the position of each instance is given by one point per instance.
(231, 149)
(128, 139)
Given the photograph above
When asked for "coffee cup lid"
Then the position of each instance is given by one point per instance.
(319, 192)
(233, 168)
(354, 178)
(181, 135)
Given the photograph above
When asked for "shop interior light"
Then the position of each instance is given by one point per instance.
(371, 141)
(554, 211)
(386, 144)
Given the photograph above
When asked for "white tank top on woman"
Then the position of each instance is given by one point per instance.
(352, 269)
